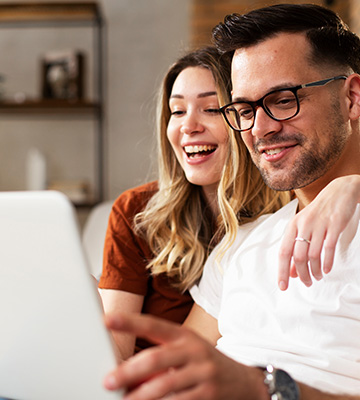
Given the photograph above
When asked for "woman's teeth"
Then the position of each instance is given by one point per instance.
(192, 151)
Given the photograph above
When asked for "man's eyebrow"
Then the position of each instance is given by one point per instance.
(239, 100)
(281, 86)
(200, 95)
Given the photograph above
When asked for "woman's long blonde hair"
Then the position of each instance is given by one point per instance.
(177, 223)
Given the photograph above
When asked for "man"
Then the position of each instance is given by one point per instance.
(296, 102)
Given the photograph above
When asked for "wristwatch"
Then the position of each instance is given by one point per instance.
(281, 386)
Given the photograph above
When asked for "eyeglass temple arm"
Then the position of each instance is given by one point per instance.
(324, 81)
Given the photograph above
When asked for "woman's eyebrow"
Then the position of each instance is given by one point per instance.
(207, 94)
(176, 96)
(200, 95)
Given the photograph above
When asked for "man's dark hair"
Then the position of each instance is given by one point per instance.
(331, 40)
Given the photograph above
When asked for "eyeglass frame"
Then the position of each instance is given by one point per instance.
(260, 103)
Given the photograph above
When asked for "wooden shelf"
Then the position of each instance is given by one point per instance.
(49, 106)
(58, 14)
(37, 12)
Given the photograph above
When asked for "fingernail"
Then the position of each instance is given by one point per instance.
(110, 382)
(282, 285)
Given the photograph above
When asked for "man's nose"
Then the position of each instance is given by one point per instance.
(264, 125)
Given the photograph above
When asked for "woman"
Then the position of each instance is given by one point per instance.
(160, 234)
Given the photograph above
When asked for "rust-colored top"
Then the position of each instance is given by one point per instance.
(126, 256)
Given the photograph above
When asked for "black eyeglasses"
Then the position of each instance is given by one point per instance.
(280, 105)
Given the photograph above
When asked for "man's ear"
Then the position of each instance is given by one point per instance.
(353, 87)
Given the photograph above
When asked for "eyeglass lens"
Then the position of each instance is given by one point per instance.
(280, 105)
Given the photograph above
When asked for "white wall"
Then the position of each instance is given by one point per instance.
(144, 37)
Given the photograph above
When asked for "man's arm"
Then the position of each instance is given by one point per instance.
(308, 393)
(183, 365)
(187, 367)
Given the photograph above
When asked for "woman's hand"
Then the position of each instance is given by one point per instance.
(320, 223)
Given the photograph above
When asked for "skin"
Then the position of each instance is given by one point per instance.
(316, 133)
(186, 367)
(323, 220)
(195, 120)
(183, 365)
(317, 146)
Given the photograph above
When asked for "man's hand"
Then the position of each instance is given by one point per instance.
(182, 366)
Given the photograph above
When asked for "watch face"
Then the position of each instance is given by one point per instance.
(285, 386)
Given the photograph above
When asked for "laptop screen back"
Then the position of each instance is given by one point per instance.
(53, 343)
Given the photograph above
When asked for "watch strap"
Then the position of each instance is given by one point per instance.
(281, 386)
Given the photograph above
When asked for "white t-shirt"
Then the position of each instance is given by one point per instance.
(312, 333)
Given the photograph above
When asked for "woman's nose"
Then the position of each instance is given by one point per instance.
(191, 124)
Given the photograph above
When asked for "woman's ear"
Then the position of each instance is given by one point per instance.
(353, 93)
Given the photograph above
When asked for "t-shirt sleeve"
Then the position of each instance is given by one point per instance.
(126, 255)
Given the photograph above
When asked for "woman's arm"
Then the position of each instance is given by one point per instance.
(320, 223)
(203, 324)
(119, 301)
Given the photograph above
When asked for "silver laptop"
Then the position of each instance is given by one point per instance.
(53, 343)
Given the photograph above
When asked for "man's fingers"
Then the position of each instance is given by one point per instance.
(145, 367)
(153, 329)
(151, 362)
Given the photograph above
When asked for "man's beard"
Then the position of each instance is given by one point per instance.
(313, 163)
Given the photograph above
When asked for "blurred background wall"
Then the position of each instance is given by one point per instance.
(143, 37)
